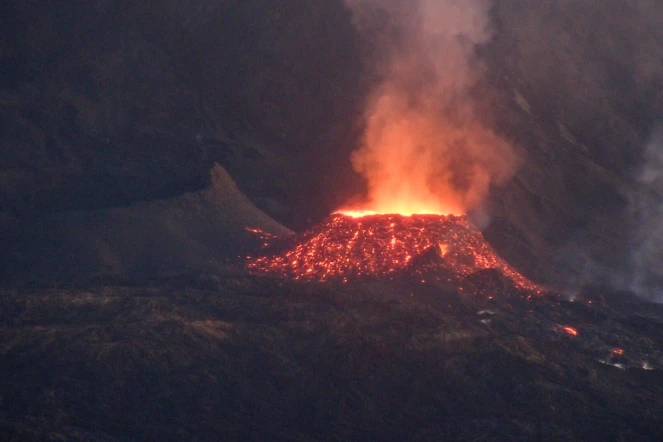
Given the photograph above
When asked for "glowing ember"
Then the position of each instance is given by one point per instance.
(343, 248)
(570, 330)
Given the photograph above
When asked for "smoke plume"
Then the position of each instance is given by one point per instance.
(647, 203)
(425, 149)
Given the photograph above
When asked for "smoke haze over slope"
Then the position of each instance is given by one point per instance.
(647, 214)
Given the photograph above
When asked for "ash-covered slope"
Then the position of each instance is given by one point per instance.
(194, 230)
(581, 91)
(104, 104)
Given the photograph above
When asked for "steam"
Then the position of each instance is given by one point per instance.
(425, 149)
(647, 248)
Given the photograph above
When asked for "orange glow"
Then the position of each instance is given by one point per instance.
(570, 330)
(618, 351)
(402, 210)
(425, 149)
(443, 249)
(416, 162)
(356, 213)
(427, 247)
(428, 145)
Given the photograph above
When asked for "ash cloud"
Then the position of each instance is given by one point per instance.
(425, 147)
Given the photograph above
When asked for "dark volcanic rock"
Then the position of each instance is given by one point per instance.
(235, 357)
(101, 104)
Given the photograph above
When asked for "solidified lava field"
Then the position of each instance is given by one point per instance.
(235, 356)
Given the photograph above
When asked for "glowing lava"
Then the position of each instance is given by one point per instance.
(570, 330)
(400, 211)
(344, 248)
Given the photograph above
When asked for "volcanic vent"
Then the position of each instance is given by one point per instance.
(427, 155)
(345, 248)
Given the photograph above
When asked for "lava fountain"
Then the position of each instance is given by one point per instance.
(427, 156)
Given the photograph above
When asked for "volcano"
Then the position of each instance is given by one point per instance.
(436, 248)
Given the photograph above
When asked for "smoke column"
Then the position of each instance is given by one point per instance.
(647, 203)
(424, 149)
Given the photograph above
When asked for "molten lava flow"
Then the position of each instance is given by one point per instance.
(344, 248)
(395, 210)
(570, 330)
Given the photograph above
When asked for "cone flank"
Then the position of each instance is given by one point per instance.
(344, 248)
